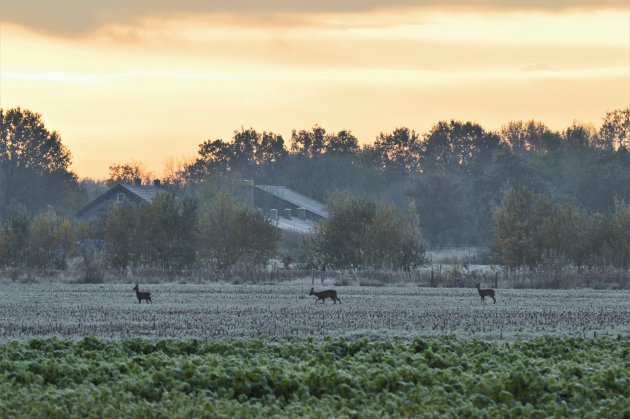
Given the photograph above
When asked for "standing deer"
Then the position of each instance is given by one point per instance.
(486, 293)
(142, 295)
(322, 295)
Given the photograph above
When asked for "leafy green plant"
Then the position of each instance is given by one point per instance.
(453, 377)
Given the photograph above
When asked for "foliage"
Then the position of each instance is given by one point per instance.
(323, 176)
(231, 233)
(531, 228)
(162, 232)
(446, 377)
(249, 153)
(359, 234)
(529, 138)
(120, 229)
(317, 142)
(128, 173)
(51, 241)
(398, 154)
(457, 145)
(440, 201)
(615, 131)
(34, 164)
(14, 241)
(44, 243)
(455, 174)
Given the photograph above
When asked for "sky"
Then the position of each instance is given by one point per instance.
(150, 80)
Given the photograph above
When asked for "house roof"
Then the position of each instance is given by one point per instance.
(295, 198)
(145, 192)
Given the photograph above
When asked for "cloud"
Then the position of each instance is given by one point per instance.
(540, 66)
(76, 17)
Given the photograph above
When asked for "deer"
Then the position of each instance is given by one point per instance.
(322, 295)
(486, 293)
(142, 295)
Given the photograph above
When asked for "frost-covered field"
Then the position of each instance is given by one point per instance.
(220, 311)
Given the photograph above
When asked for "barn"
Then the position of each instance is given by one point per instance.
(288, 209)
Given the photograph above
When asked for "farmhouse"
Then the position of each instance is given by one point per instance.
(122, 193)
(288, 210)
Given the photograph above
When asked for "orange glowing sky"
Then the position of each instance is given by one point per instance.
(150, 80)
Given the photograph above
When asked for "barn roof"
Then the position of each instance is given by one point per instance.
(294, 224)
(296, 198)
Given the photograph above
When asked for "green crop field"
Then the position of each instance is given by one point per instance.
(541, 377)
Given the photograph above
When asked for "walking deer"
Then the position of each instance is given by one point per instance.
(322, 295)
(142, 295)
(486, 293)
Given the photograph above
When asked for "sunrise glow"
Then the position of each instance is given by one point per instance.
(150, 85)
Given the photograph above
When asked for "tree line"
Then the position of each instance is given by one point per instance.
(533, 231)
(454, 173)
(513, 190)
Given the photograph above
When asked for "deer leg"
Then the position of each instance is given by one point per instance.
(494, 301)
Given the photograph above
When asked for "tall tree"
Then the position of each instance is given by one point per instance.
(615, 130)
(398, 153)
(271, 150)
(14, 237)
(454, 144)
(309, 143)
(34, 164)
(230, 233)
(579, 135)
(213, 155)
(342, 142)
(359, 233)
(51, 241)
(121, 231)
(530, 137)
(250, 154)
(26, 144)
(128, 173)
(440, 200)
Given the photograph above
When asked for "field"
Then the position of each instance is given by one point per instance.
(220, 350)
(448, 377)
(272, 312)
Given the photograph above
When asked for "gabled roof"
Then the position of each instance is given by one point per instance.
(145, 193)
(295, 198)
